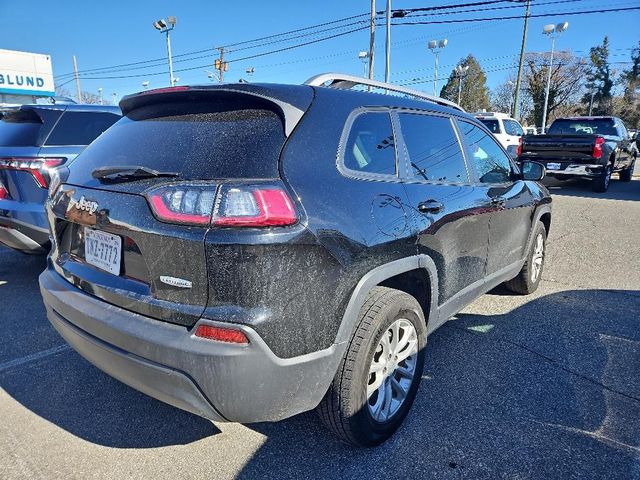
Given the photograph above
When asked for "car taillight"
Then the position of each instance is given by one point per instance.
(228, 335)
(519, 148)
(253, 206)
(38, 167)
(3, 192)
(190, 204)
(597, 148)
(224, 206)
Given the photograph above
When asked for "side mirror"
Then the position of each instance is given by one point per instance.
(533, 171)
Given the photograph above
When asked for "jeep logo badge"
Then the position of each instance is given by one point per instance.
(87, 205)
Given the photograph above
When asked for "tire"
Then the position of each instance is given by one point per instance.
(627, 173)
(346, 408)
(601, 183)
(527, 281)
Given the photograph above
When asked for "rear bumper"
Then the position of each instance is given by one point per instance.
(576, 170)
(23, 226)
(215, 380)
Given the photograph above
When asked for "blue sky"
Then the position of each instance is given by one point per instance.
(102, 34)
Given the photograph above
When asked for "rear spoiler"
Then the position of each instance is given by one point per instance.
(289, 102)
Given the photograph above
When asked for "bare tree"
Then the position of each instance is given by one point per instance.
(567, 76)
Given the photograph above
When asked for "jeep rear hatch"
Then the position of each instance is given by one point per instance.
(131, 218)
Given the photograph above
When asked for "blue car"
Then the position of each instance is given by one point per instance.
(34, 140)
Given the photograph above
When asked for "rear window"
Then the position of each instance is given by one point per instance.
(492, 125)
(191, 140)
(20, 129)
(80, 128)
(600, 126)
(513, 128)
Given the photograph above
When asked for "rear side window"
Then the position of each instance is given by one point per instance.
(80, 128)
(490, 162)
(513, 128)
(370, 148)
(192, 139)
(492, 125)
(433, 148)
(20, 129)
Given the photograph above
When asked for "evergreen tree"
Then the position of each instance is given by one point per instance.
(474, 94)
(599, 81)
(630, 105)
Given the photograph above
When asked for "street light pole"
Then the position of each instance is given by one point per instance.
(387, 60)
(436, 47)
(165, 27)
(461, 72)
(100, 93)
(553, 31)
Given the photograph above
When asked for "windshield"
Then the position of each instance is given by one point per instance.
(597, 126)
(492, 125)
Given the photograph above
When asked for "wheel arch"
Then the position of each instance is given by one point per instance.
(397, 274)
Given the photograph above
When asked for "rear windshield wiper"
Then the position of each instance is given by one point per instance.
(129, 172)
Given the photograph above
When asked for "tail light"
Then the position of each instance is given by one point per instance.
(223, 206)
(3, 192)
(597, 148)
(519, 148)
(38, 167)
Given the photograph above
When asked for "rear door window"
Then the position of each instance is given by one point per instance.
(489, 160)
(513, 128)
(434, 152)
(370, 148)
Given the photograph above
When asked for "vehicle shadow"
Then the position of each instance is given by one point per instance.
(39, 371)
(582, 188)
(549, 390)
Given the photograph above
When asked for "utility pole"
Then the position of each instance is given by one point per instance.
(516, 105)
(372, 39)
(220, 65)
(75, 74)
(387, 60)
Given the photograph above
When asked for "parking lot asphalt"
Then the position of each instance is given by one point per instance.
(538, 387)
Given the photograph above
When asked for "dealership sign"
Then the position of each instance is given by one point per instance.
(24, 73)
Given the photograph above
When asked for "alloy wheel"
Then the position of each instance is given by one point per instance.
(392, 370)
(537, 258)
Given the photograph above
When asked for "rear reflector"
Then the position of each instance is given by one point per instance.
(38, 167)
(228, 335)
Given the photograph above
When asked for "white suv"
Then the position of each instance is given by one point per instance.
(506, 130)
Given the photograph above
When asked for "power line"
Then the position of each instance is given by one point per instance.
(514, 17)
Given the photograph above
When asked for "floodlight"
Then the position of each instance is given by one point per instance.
(160, 24)
(363, 54)
(172, 21)
(443, 43)
(548, 29)
(561, 27)
(432, 44)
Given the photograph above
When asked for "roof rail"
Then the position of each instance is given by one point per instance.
(346, 82)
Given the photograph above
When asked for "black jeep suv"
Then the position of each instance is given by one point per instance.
(248, 252)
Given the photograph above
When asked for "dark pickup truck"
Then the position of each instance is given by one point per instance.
(588, 147)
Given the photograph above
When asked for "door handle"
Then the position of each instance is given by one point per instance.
(430, 206)
(498, 202)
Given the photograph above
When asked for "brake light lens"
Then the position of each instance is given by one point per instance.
(519, 148)
(185, 203)
(219, 334)
(4, 194)
(253, 206)
(164, 90)
(39, 168)
(223, 206)
(597, 148)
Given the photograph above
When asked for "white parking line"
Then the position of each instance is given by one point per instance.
(33, 357)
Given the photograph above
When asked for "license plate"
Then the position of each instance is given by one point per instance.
(553, 166)
(102, 250)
